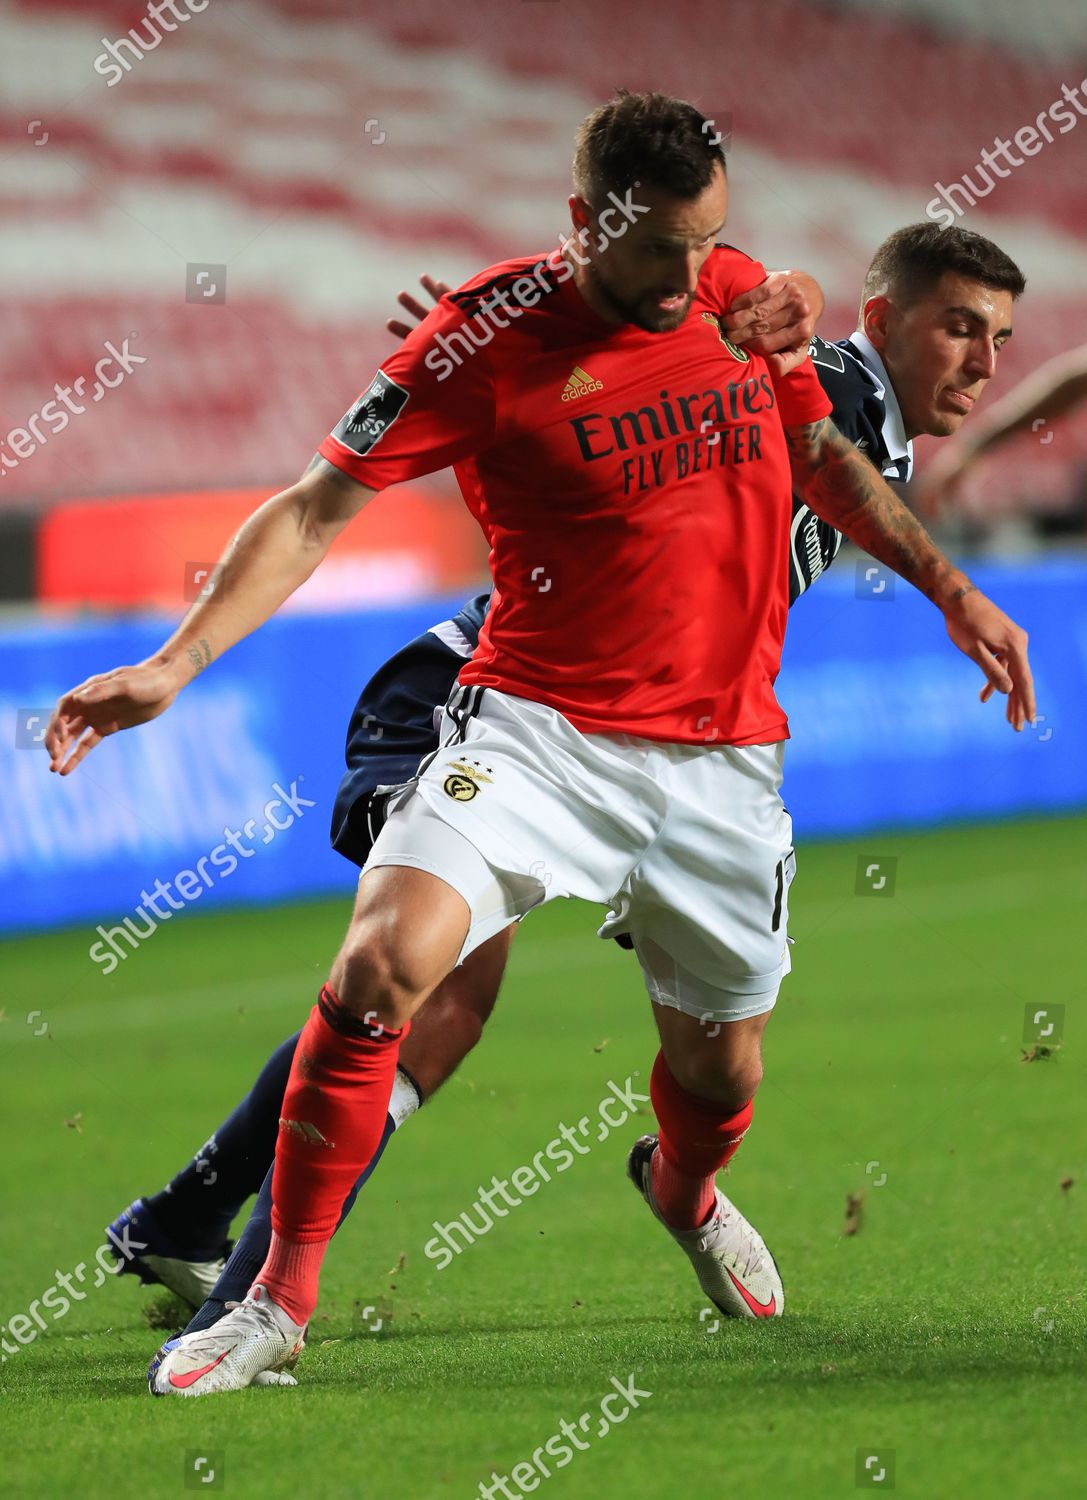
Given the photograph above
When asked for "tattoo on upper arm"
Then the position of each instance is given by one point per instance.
(199, 655)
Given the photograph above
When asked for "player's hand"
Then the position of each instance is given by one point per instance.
(410, 304)
(104, 704)
(999, 646)
(777, 318)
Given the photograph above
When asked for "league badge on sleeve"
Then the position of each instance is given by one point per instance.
(372, 414)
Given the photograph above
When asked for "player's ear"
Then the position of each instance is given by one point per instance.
(581, 214)
(875, 320)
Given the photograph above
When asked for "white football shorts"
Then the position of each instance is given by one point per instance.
(689, 846)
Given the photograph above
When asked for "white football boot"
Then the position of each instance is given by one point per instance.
(256, 1343)
(139, 1246)
(734, 1268)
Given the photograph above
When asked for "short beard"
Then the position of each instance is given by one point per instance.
(628, 311)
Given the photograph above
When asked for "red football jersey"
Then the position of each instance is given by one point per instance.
(634, 489)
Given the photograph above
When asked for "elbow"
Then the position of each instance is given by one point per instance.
(316, 532)
(316, 522)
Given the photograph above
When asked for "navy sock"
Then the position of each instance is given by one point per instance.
(197, 1207)
(251, 1251)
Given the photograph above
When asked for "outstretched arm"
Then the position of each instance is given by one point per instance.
(844, 488)
(271, 555)
(1045, 395)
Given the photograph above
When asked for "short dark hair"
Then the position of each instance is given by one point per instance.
(646, 138)
(911, 261)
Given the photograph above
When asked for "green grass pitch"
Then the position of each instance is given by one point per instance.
(944, 1339)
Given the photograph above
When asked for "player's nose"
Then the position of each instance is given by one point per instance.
(981, 361)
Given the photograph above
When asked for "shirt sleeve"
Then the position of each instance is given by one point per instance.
(430, 405)
(850, 396)
(801, 398)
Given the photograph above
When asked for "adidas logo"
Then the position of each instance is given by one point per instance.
(580, 384)
(306, 1131)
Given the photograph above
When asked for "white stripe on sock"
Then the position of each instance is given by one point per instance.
(404, 1100)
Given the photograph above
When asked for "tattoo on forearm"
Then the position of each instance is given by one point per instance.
(199, 655)
(845, 489)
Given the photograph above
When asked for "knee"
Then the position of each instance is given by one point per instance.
(722, 1080)
(375, 977)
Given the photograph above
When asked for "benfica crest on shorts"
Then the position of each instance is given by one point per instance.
(734, 349)
(465, 780)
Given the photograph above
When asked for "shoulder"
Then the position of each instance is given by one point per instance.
(850, 387)
(522, 282)
(727, 273)
(840, 366)
(726, 254)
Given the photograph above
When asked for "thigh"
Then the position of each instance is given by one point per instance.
(457, 902)
(708, 1007)
(408, 925)
(707, 908)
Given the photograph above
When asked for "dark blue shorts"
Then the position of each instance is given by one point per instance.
(393, 728)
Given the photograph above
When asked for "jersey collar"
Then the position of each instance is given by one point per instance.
(899, 448)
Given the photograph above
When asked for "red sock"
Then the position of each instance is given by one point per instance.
(697, 1139)
(334, 1111)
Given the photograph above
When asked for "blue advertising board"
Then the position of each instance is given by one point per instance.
(227, 798)
(265, 726)
(887, 729)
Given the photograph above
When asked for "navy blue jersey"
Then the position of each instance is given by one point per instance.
(860, 414)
